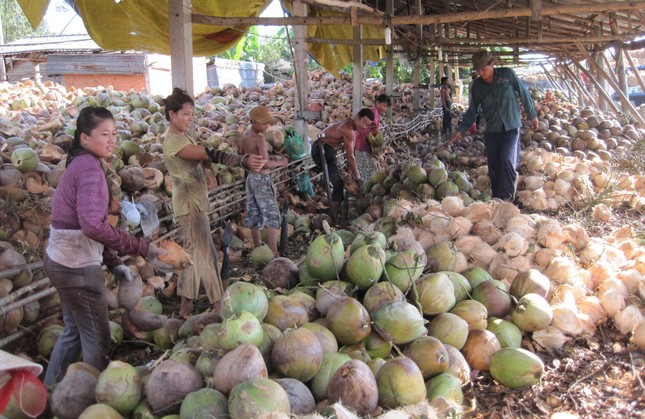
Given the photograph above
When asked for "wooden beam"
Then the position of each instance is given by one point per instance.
(624, 100)
(300, 69)
(461, 17)
(535, 41)
(181, 45)
(357, 76)
(637, 73)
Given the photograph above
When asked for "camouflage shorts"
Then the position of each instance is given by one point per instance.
(261, 204)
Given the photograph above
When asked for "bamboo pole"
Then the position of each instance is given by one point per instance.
(29, 329)
(34, 297)
(593, 81)
(582, 92)
(19, 292)
(462, 17)
(628, 55)
(626, 103)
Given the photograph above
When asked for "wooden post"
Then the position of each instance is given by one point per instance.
(582, 92)
(634, 69)
(416, 76)
(357, 79)
(181, 44)
(625, 101)
(389, 63)
(431, 80)
(300, 69)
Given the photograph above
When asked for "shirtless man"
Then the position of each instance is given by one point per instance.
(261, 204)
(332, 137)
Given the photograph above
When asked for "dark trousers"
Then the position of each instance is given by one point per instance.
(446, 128)
(85, 314)
(502, 151)
(332, 168)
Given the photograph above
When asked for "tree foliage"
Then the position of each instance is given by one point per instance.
(15, 24)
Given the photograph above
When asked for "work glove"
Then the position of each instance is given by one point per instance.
(154, 252)
(122, 273)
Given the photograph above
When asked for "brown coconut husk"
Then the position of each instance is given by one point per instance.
(176, 255)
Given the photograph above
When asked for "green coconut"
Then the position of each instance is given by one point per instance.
(365, 266)
(508, 334)
(473, 312)
(331, 291)
(119, 386)
(208, 337)
(285, 312)
(532, 313)
(436, 293)
(445, 385)
(400, 383)
(100, 410)
(325, 257)
(430, 355)
(417, 174)
(47, 339)
(398, 322)
(25, 159)
(494, 296)
(143, 411)
(297, 354)
(530, 281)
(457, 365)
(235, 330)
(450, 329)
(330, 363)
(441, 257)
(403, 268)
(516, 367)
(461, 285)
(204, 403)
(261, 256)
(326, 338)
(376, 346)
(271, 334)
(437, 176)
(116, 333)
(375, 238)
(348, 320)
(253, 398)
(380, 294)
(476, 276)
(244, 296)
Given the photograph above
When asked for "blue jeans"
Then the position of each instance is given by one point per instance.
(85, 314)
(503, 151)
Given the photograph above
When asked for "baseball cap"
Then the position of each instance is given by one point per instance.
(481, 59)
(261, 114)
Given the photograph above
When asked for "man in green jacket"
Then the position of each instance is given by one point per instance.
(495, 91)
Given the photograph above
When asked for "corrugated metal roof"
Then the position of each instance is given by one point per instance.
(60, 43)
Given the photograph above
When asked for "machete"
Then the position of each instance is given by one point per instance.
(227, 238)
(284, 230)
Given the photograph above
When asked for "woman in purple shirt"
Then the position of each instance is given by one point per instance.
(80, 240)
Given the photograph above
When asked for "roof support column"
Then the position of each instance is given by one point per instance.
(416, 76)
(300, 68)
(181, 44)
(389, 58)
(357, 79)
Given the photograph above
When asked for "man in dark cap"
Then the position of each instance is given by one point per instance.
(495, 91)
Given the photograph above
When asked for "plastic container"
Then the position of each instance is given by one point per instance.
(294, 145)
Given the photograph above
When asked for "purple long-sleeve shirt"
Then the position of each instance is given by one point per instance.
(81, 203)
